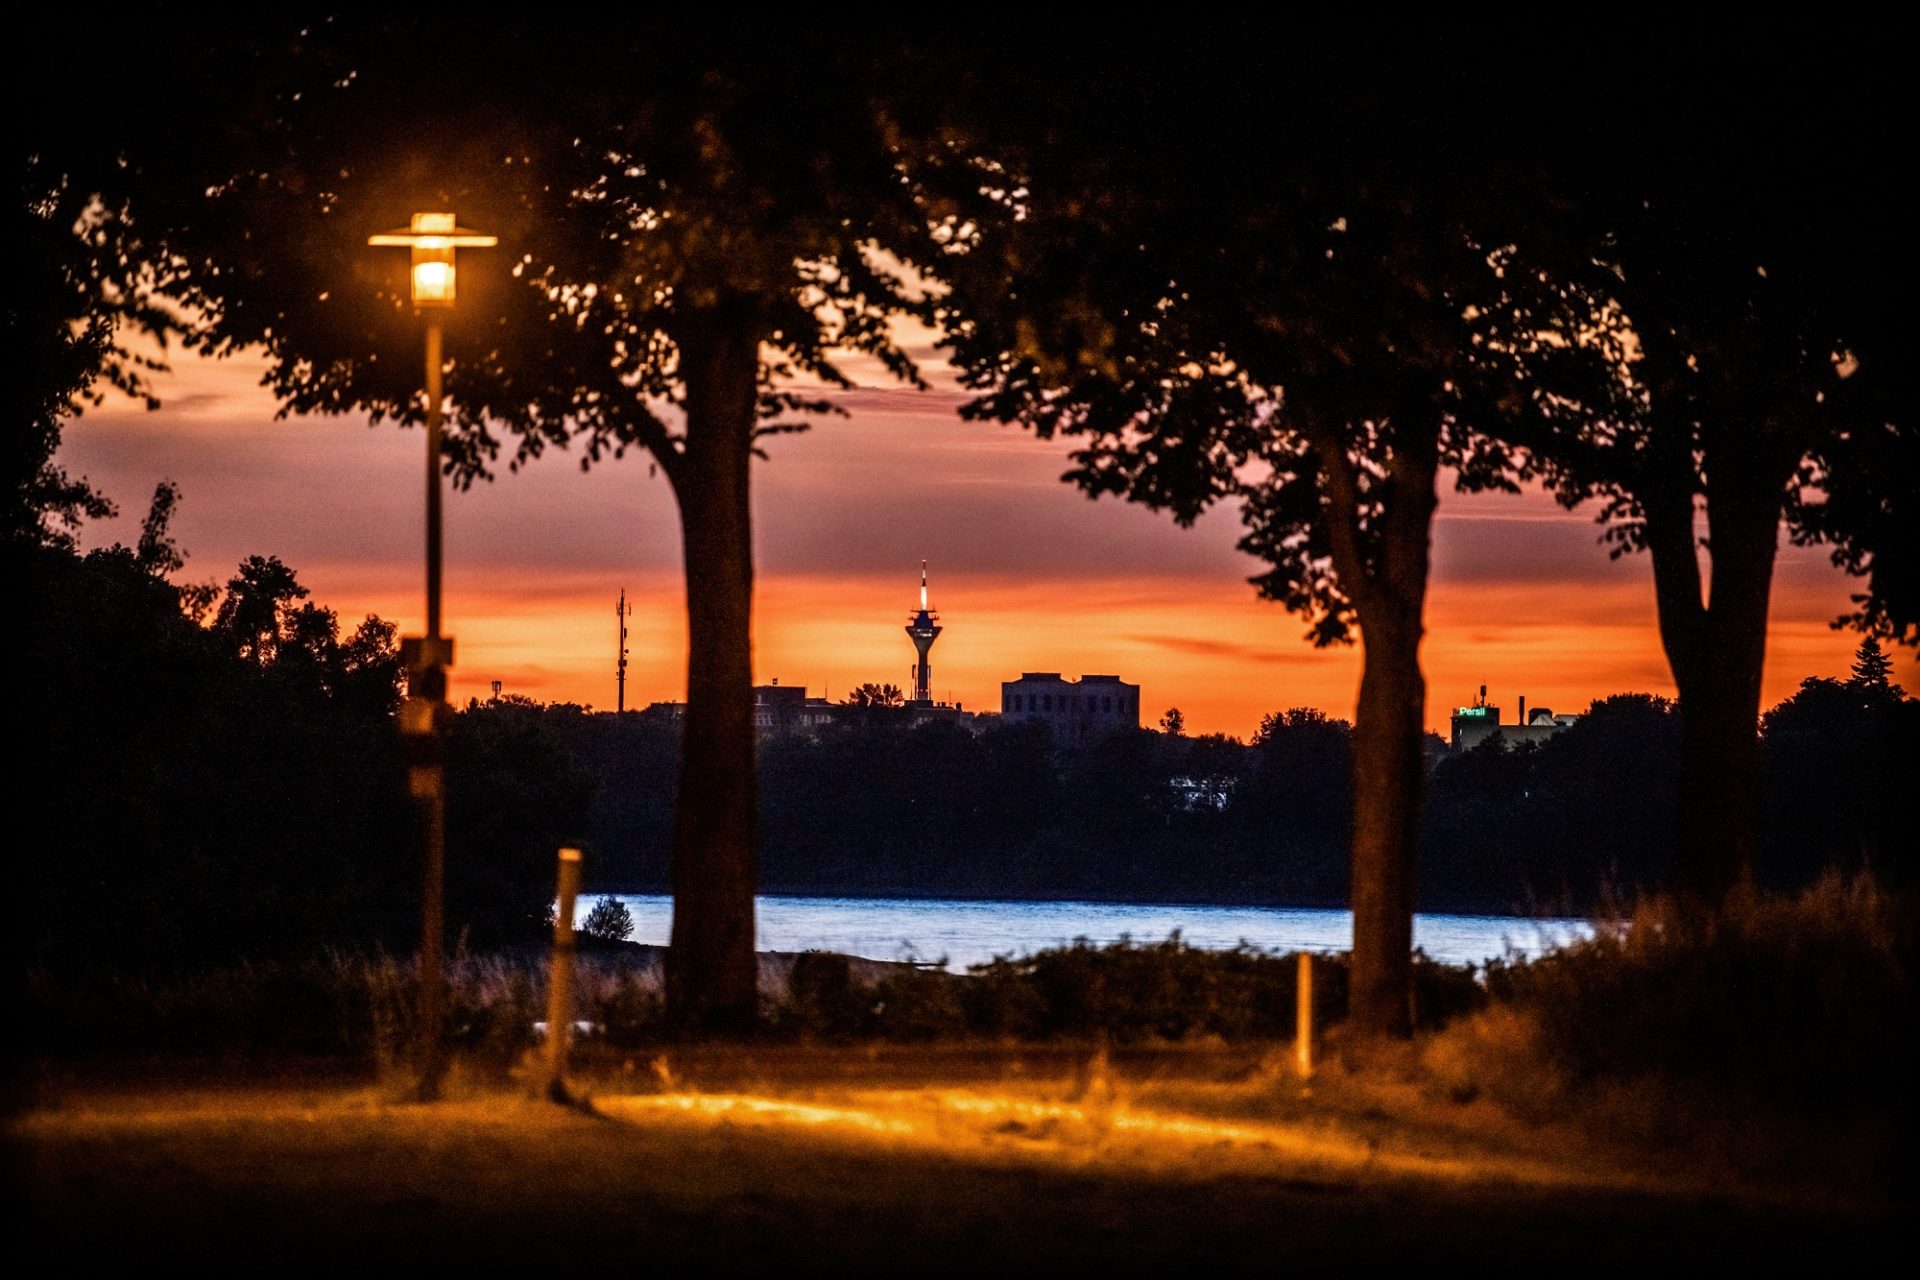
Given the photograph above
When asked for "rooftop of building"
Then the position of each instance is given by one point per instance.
(1056, 677)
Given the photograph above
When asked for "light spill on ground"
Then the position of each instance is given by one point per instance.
(967, 1124)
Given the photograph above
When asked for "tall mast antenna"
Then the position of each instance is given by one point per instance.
(621, 611)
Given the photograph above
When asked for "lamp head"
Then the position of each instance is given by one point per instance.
(433, 237)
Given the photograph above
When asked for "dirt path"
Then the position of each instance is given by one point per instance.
(852, 1174)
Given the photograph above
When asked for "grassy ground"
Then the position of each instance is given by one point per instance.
(1724, 1089)
(942, 1159)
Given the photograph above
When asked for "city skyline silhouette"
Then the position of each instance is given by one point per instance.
(1525, 599)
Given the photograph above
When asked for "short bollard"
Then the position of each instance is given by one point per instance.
(560, 983)
(1303, 1030)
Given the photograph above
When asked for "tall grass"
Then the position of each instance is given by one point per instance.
(1800, 1000)
(1169, 991)
(336, 1004)
(360, 1006)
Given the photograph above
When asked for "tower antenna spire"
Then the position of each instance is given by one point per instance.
(621, 611)
(923, 628)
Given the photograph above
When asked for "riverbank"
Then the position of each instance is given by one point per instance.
(965, 932)
(359, 1006)
(1521, 907)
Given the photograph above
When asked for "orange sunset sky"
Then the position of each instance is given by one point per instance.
(1027, 574)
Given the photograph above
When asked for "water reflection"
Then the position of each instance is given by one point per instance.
(969, 933)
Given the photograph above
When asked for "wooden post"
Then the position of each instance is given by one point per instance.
(560, 983)
(1303, 1031)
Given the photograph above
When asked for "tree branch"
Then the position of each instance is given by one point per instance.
(1342, 500)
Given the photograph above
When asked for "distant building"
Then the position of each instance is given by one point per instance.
(1212, 794)
(785, 711)
(1476, 724)
(1077, 710)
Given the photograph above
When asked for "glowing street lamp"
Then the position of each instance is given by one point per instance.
(432, 237)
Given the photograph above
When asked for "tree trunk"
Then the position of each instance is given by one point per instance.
(1389, 590)
(1387, 779)
(711, 970)
(1717, 649)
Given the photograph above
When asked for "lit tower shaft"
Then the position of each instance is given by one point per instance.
(923, 628)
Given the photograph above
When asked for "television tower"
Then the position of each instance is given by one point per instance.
(923, 628)
(622, 611)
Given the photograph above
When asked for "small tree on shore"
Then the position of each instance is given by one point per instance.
(609, 921)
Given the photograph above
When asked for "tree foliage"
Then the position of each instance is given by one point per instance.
(1582, 820)
(1304, 334)
(684, 252)
(83, 295)
(876, 695)
(210, 804)
(1872, 668)
(1840, 757)
(1715, 358)
(609, 921)
(516, 793)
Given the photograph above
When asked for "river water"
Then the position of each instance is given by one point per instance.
(967, 933)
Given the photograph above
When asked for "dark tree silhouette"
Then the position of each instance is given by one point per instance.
(1302, 334)
(80, 292)
(680, 249)
(156, 551)
(877, 695)
(1299, 788)
(609, 921)
(257, 614)
(1173, 724)
(1872, 668)
(210, 805)
(522, 793)
(1840, 757)
(1578, 823)
(1739, 232)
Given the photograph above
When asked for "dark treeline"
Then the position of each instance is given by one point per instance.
(217, 776)
(1584, 821)
(196, 790)
(212, 772)
(1576, 824)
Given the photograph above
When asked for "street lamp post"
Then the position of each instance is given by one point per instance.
(432, 237)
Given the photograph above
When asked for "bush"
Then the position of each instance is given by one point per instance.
(823, 999)
(361, 1005)
(609, 921)
(1166, 991)
(1791, 1000)
(624, 997)
(920, 1005)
